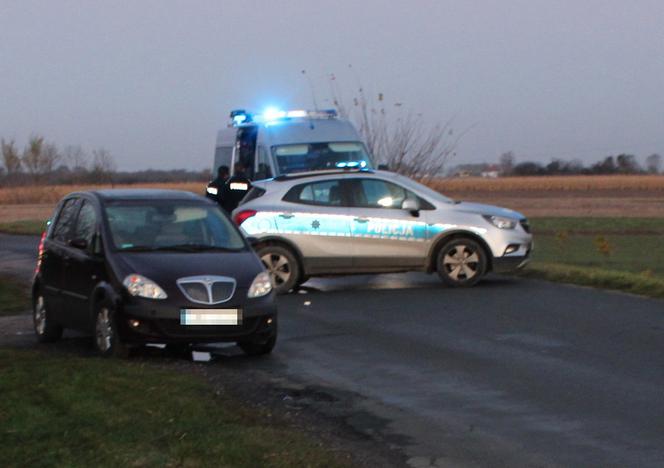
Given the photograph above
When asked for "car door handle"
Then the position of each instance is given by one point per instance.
(286, 215)
(361, 220)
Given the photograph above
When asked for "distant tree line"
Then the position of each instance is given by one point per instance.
(43, 162)
(620, 164)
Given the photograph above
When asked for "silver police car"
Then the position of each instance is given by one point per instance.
(365, 221)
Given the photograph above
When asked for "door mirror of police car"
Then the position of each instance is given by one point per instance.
(411, 205)
(79, 243)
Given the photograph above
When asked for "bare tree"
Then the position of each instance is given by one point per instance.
(406, 142)
(10, 157)
(77, 161)
(75, 157)
(32, 155)
(654, 163)
(103, 166)
(506, 163)
(50, 156)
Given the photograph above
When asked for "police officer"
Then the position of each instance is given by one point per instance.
(235, 188)
(216, 186)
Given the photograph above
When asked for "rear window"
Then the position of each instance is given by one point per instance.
(252, 194)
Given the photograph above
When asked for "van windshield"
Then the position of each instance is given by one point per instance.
(141, 225)
(318, 156)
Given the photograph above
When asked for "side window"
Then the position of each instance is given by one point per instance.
(376, 193)
(326, 193)
(63, 225)
(86, 223)
(263, 169)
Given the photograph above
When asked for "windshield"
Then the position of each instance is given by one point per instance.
(170, 225)
(316, 156)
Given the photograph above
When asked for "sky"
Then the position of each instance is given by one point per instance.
(152, 81)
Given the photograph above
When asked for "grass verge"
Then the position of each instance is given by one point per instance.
(77, 411)
(634, 283)
(28, 227)
(14, 296)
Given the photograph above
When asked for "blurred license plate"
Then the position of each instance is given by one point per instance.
(210, 317)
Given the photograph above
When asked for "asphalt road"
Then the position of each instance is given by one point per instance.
(513, 372)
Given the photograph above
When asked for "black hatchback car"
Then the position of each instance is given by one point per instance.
(150, 266)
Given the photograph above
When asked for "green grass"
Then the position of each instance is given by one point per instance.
(30, 226)
(626, 254)
(14, 296)
(63, 410)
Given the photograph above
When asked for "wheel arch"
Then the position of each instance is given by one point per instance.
(280, 241)
(102, 292)
(444, 238)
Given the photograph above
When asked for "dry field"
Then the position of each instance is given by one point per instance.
(624, 196)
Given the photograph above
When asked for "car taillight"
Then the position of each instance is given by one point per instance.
(40, 251)
(243, 215)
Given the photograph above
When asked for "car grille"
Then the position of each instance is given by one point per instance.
(207, 289)
(525, 225)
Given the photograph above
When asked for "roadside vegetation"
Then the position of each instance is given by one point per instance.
(14, 296)
(64, 410)
(24, 226)
(612, 253)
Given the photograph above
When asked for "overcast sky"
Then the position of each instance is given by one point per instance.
(152, 81)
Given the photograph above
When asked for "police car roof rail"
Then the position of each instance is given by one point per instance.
(302, 175)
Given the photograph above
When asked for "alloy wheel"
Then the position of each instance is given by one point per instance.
(278, 267)
(40, 316)
(104, 330)
(461, 262)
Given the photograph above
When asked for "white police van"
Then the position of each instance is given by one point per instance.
(282, 142)
(277, 142)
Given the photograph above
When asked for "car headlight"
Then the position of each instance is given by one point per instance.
(212, 190)
(141, 286)
(500, 222)
(261, 285)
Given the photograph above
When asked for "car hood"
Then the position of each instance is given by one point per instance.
(166, 267)
(491, 210)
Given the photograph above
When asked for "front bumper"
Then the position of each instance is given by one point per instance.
(512, 262)
(160, 323)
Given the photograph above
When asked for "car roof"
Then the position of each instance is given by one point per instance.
(145, 194)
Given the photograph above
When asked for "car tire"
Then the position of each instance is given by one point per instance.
(282, 265)
(107, 341)
(46, 329)
(461, 262)
(259, 348)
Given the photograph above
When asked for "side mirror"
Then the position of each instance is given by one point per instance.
(79, 243)
(253, 241)
(411, 205)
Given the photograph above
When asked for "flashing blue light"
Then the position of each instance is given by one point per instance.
(238, 119)
(272, 113)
